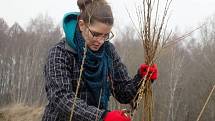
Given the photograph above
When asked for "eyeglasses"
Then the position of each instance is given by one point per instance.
(98, 35)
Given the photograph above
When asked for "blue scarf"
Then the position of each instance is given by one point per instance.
(96, 69)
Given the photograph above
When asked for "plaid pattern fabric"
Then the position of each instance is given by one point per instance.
(62, 72)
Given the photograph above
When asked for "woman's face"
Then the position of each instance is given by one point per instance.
(96, 34)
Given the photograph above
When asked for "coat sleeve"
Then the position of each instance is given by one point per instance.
(124, 88)
(58, 86)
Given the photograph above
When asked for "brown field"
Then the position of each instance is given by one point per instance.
(20, 112)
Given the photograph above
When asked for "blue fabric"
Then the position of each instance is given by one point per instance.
(95, 70)
(96, 65)
(70, 21)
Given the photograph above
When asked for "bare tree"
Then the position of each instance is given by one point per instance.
(22, 60)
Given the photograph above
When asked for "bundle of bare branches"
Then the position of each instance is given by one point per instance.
(152, 32)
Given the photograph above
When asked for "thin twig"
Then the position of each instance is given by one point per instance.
(79, 80)
(132, 21)
(200, 114)
(182, 37)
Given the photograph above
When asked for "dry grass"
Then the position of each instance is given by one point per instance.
(20, 112)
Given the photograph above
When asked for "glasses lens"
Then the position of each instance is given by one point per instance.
(106, 37)
(109, 36)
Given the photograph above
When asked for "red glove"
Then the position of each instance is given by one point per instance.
(152, 71)
(117, 115)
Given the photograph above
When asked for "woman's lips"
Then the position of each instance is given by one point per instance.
(96, 46)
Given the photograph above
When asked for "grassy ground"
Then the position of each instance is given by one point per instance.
(19, 112)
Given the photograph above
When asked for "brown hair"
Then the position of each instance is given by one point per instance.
(95, 10)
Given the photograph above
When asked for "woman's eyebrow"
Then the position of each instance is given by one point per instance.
(99, 33)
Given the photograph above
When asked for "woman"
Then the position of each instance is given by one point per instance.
(103, 72)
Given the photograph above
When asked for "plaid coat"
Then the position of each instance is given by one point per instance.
(62, 72)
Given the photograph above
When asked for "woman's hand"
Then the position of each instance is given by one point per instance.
(150, 71)
(117, 115)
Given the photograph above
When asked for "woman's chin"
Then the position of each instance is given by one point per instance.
(94, 48)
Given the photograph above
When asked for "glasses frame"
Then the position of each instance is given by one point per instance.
(103, 36)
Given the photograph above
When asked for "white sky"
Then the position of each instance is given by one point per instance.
(184, 13)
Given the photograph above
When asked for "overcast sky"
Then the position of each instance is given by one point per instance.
(184, 13)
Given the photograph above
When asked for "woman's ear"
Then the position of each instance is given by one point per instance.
(81, 25)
